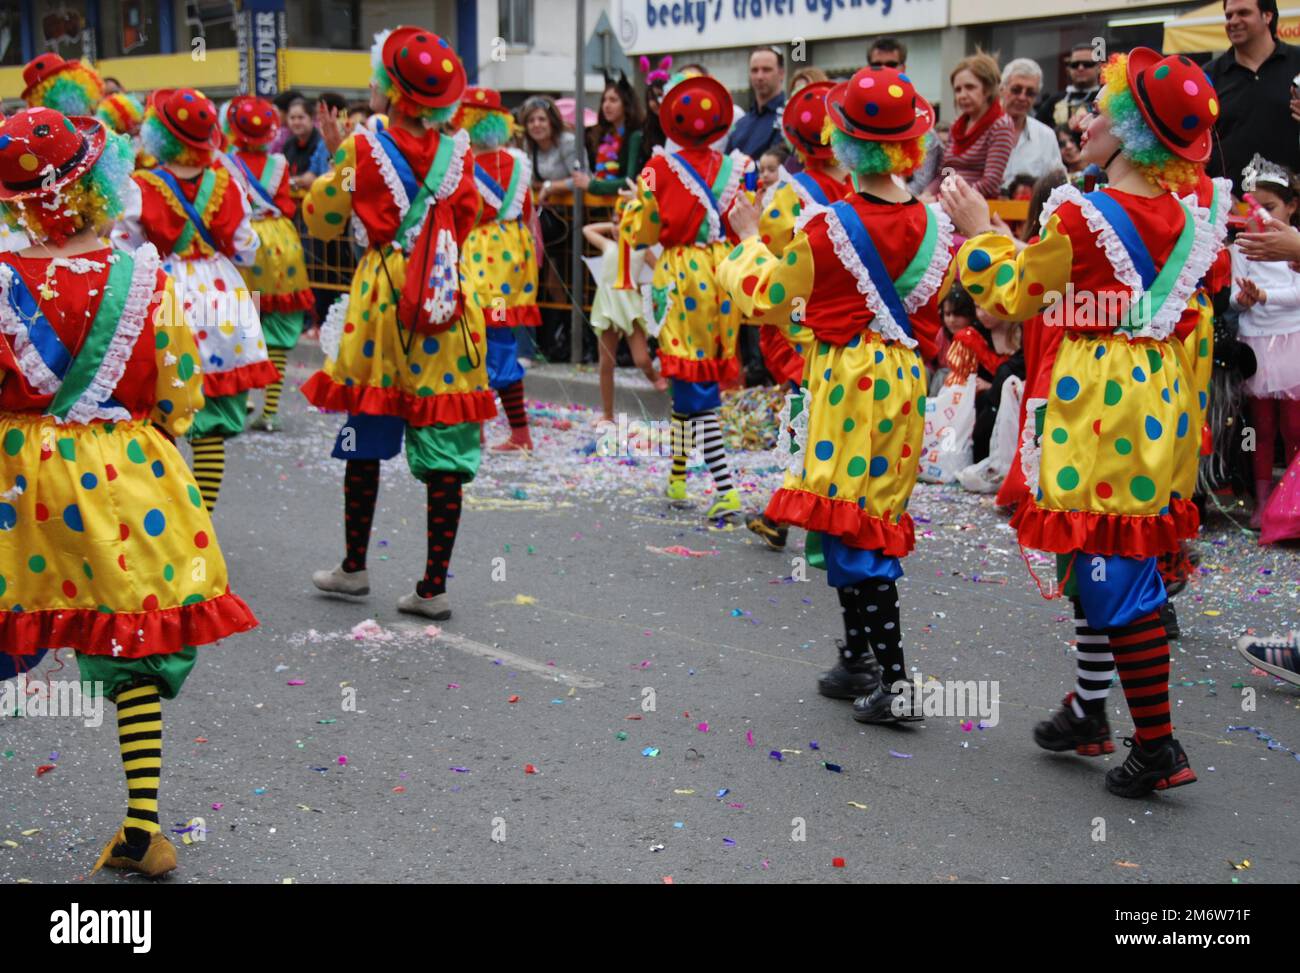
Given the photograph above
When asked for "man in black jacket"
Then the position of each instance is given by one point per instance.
(1253, 82)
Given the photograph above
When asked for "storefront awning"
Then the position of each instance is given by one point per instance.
(1202, 30)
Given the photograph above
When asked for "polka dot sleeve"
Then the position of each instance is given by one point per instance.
(769, 289)
(329, 201)
(637, 229)
(178, 389)
(776, 222)
(1016, 286)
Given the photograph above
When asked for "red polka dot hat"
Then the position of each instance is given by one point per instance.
(879, 105)
(46, 66)
(252, 120)
(41, 151)
(186, 113)
(803, 118)
(423, 67)
(486, 99)
(1176, 99)
(696, 110)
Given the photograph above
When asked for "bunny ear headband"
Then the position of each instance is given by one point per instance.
(660, 74)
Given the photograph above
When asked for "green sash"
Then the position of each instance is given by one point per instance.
(719, 184)
(428, 189)
(85, 366)
(206, 187)
(1148, 306)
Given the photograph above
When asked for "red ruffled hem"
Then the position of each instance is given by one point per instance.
(843, 519)
(699, 369)
(522, 316)
(255, 376)
(302, 300)
(1122, 535)
(447, 409)
(135, 634)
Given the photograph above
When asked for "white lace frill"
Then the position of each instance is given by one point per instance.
(38, 376)
(1031, 453)
(331, 329)
(88, 406)
(932, 279)
(523, 186)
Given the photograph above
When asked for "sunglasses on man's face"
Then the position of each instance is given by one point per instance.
(884, 64)
(1080, 65)
(1020, 91)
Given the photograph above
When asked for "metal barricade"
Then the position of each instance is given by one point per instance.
(330, 263)
(555, 286)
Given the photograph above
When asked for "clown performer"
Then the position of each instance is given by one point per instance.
(278, 273)
(499, 260)
(403, 188)
(102, 528)
(681, 201)
(196, 214)
(1118, 271)
(822, 181)
(859, 286)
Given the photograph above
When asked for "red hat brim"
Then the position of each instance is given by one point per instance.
(1139, 59)
(459, 81)
(706, 87)
(158, 100)
(835, 99)
(95, 133)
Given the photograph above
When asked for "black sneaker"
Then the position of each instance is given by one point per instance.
(773, 535)
(883, 706)
(1088, 736)
(1169, 619)
(1145, 770)
(1278, 655)
(850, 678)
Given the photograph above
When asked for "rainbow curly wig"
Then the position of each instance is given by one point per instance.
(101, 195)
(864, 158)
(75, 90)
(488, 128)
(1138, 143)
(398, 102)
(121, 112)
(160, 143)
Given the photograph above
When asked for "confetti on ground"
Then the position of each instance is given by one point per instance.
(860, 807)
(900, 756)
(525, 600)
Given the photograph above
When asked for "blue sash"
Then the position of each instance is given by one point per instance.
(404, 171)
(870, 257)
(1128, 235)
(40, 332)
(496, 188)
(170, 182)
(696, 177)
(54, 353)
(811, 188)
(254, 181)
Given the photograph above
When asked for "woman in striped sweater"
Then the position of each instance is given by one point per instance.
(981, 140)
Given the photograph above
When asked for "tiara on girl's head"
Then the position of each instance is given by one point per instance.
(1260, 170)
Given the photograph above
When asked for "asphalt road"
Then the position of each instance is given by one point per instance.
(402, 757)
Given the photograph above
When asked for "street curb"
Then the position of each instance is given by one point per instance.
(580, 385)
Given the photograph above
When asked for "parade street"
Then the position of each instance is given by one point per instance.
(626, 693)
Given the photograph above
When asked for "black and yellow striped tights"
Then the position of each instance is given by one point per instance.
(280, 358)
(139, 737)
(209, 467)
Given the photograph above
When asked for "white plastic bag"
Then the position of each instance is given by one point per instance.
(987, 475)
(949, 432)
